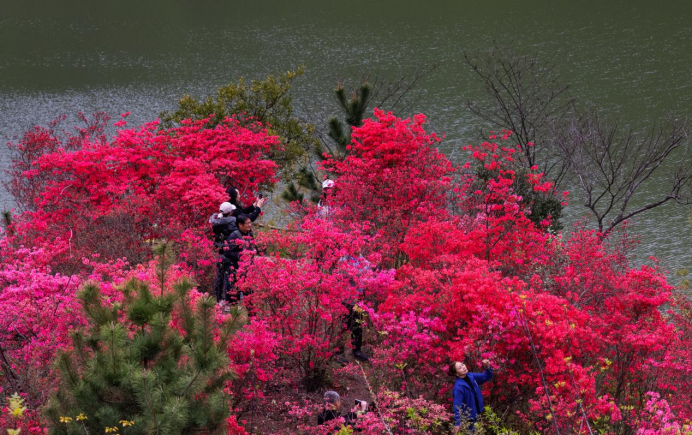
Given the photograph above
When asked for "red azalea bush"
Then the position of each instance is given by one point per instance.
(114, 197)
(30, 302)
(253, 354)
(658, 418)
(497, 282)
(396, 413)
(301, 291)
(393, 178)
(38, 309)
(45, 140)
(403, 415)
(448, 265)
(410, 356)
(495, 218)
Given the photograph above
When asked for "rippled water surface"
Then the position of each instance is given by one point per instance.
(632, 58)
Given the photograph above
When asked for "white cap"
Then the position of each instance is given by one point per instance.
(226, 207)
(326, 184)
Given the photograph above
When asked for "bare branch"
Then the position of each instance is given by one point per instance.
(526, 97)
(612, 164)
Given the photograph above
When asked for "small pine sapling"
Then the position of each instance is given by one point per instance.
(159, 361)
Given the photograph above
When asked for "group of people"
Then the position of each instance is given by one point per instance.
(466, 395)
(232, 227)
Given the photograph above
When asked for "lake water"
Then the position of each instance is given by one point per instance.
(631, 58)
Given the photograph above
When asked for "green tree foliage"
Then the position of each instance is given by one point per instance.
(157, 360)
(6, 219)
(354, 107)
(353, 111)
(305, 183)
(267, 101)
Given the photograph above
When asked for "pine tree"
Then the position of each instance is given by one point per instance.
(353, 112)
(132, 363)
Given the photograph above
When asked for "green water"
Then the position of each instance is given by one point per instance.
(632, 58)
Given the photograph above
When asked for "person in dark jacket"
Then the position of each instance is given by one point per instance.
(468, 399)
(332, 409)
(253, 211)
(237, 242)
(222, 224)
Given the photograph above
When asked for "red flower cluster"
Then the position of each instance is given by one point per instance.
(87, 195)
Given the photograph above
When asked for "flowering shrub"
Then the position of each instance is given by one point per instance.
(447, 263)
(252, 353)
(392, 179)
(45, 140)
(391, 413)
(498, 221)
(31, 299)
(410, 356)
(303, 295)
(398, 414)
(497, 283)
(657, 418)
(116, 197)
(16, 418)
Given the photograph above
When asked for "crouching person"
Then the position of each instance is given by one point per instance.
(332, 410)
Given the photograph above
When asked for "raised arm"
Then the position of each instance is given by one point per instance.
(484, 377)
(487, 375)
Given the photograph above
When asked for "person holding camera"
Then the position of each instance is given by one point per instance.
(252, 211)
(332, 409)
(468, 399)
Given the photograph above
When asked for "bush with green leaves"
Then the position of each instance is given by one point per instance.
(269, 102)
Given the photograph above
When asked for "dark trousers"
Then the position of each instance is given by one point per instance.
(353, 321)
(224, 285)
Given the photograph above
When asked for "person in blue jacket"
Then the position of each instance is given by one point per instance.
(468, 400)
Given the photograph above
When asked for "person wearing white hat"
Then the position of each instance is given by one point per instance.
(323, 207)
(223, 224)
